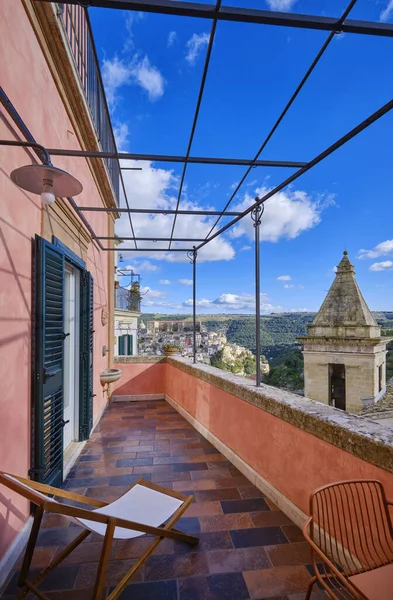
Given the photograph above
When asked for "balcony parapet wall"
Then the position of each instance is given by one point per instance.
(352, 433)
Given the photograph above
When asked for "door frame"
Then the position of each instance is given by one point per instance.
(75, 356)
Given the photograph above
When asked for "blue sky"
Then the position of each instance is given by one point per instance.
(152, 65)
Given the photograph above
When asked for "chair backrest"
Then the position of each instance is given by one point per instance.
(21, 486)
(352, 526)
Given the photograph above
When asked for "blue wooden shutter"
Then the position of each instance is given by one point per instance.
(86, 356)
(129, 345)
(48, 359)
(122, 345)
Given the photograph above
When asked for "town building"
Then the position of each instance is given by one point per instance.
(344, 352)
(127, 310)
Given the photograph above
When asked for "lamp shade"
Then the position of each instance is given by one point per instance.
(32, 178)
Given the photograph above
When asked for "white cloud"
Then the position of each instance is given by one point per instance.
(284, 278)
(287, 214)
(387, 12)
(131, 18)
(164, 282)
(381, 249)
(157, 188)
(148, 77)
(386, 265)
(234, 303)
(148, 293)
(195, 45)
(116, 73)
(145, 265)
(121, 133)
(245, 248)
(301, 287)
(136, 267)
(281, 4)
(185, 281)
(172, 36)
(288, 286)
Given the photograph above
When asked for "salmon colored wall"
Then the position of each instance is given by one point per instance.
(27, 81)
(140, 378)
(292, 460)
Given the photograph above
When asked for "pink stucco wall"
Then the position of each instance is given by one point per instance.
(293, 461)
(139, 377)
(27, 81)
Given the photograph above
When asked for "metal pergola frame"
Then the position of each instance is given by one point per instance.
(215, 13)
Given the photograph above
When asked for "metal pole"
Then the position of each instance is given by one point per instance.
(193, 256)
(256, 217)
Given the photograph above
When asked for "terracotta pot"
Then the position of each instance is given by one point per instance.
(171, 352)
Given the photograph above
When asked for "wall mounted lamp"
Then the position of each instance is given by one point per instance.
(46, 180)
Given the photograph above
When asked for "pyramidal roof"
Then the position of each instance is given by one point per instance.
(344, 305)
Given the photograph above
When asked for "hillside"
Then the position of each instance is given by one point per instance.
(278, 340)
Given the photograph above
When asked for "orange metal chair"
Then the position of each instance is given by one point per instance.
(351, 537)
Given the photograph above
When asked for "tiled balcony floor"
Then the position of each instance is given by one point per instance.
(248, 548)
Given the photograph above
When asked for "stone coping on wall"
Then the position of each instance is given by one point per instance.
(138, 359)
(356, 434)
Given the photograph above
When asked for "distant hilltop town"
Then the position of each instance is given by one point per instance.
(212, 347)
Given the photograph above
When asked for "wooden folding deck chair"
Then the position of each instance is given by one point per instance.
(143, 509)
(350, 532)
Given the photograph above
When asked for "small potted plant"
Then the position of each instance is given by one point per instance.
(171, 349)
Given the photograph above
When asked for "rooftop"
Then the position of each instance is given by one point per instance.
(248, 548)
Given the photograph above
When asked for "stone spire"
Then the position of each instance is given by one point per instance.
(344, 312)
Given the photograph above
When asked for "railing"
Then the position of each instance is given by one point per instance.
(127, 299)
(77, 27)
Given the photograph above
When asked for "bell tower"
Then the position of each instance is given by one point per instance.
(344, 352)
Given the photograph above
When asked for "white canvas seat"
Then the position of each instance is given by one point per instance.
(141, 505)
(146, 508)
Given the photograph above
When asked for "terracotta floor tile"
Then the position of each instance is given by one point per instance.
(293, 533)
(271, 504)
(267, 518)
(176, 566)
(41, 558)
(202, 484)
(53, 520)
(226, 561)
(152, 469)
(210, 474)
(228, 586)
(226, 522)
(242, 506)
(116, 570)
(151, 440)
(86, 553)
(223, 494)
(151, 590)
(197, 466)
(200, 509)
(289, 554)
(250, 492)
(268, 583)
(207, 458)
(136, 547)
(232, 482)
(257, 536)
(169, 476)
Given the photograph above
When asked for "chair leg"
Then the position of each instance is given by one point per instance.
(104, 560)
(55, 562)
(30, 546)
(310, 586)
